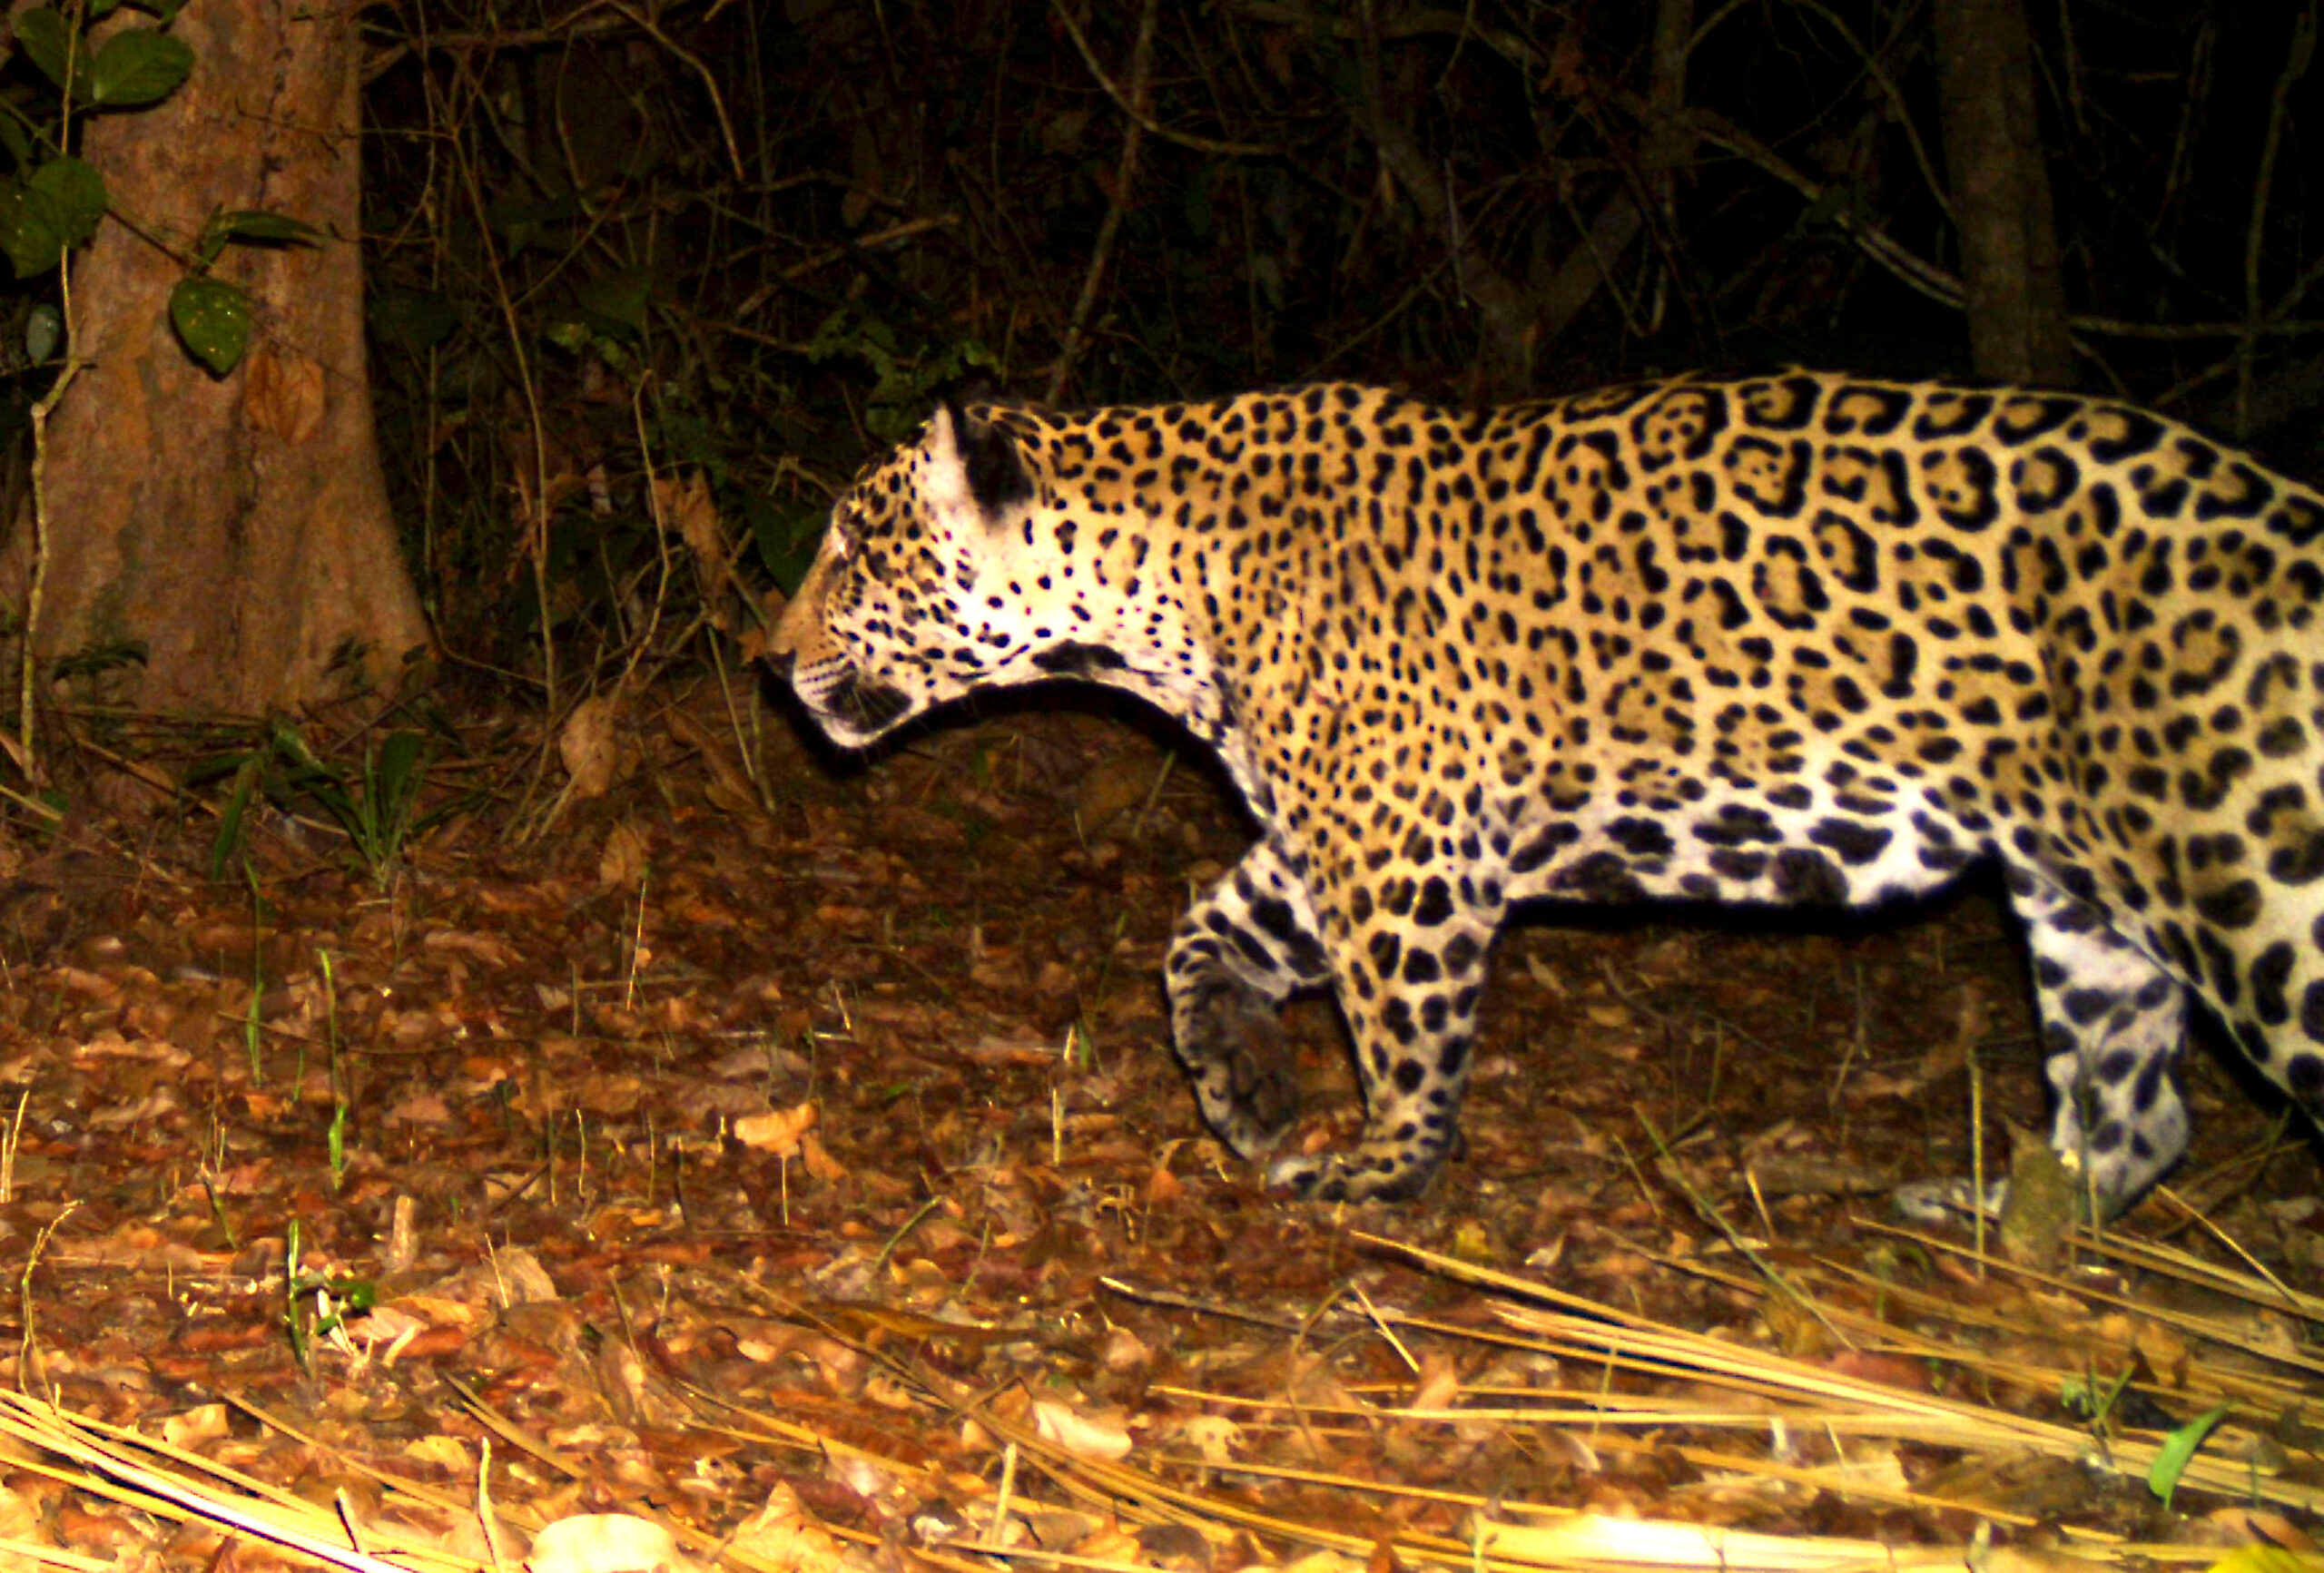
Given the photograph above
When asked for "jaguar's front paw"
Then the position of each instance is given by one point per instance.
(1373, 1171)
(1232, 1047)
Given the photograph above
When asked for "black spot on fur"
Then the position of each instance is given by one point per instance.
(1809, 877)
(2236, 906)
(1072, 659)
(2268, 975)
(1641, 838)
(1855, 843)
(1553, 839)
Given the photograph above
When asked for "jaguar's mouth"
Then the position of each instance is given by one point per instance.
(857, 709)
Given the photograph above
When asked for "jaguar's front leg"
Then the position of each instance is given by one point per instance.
(1408, 973)
(1246, 946)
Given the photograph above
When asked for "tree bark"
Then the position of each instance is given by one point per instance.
(237, 527)
(2016, 295)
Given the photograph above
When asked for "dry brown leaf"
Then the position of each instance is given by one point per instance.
(442, 1452)
(421, 1109)
(158, 1103)
(282, 393)
(622, 861)
(1887, 1369)
(1124, 1350)
(1107, 1544)
(111, 1045)
(494, 949)
(821, 1165)
(386, 1327)
(1083, 1436)
(753, 637)
(1323, 1562)
(521, 1279)
(2165, 1351)
(83, 983)
(588, 748)
(1440, 1382)
(441, 1311)
(783, 1536)
(606, 1543)
(777, 1131)
(685, 505)
(2241, 1526)
(195, 1427)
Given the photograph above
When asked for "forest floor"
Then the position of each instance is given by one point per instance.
(798, 1163)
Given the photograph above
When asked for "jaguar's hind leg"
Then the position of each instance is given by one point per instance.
(2113, 1024)
(1246, 946)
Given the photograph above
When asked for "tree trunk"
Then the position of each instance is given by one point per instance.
(2001, 194)
(237, 527)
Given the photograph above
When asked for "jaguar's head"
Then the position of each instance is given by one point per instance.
(913, 600)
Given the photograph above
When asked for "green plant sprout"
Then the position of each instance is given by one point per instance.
(375, 806)
(334, 1299)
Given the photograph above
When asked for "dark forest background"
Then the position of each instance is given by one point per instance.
(736, 247)
(754, 235)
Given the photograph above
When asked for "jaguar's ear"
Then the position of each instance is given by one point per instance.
(991, 471)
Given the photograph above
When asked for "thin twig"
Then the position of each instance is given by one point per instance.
(1899, 112)
(2303, 49)
(1141, 68)
(1133, 105)
(28, 752)
(374, 66)
(709, 83)
(28, 756)
(1923, 277)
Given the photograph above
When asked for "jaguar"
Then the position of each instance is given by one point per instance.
(1805, 638)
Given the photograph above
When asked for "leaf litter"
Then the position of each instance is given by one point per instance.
(766, 1165)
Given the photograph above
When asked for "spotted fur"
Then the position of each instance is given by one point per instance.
(1804, 639)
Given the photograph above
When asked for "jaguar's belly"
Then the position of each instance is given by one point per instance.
(1828, 851)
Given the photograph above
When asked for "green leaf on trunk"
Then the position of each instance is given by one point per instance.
(213, 321)
(32, 228)
(79, 192)
(44, 331)
(138, 66)
(257, 224)
(46, 39)
(254, 226)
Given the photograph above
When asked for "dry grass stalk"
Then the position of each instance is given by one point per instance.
(1637, 1345)
(150, 1476)
(1745, 1391)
